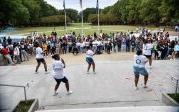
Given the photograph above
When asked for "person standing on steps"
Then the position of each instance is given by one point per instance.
(58, 74)
(139, 68)
(40, 58)
(89, 59)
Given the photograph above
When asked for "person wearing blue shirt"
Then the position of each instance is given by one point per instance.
(176, 50)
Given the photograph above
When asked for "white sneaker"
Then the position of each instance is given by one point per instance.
(94, 72)
(87, 72)
(46, 72)
(36, 72)
(69, 92)
(150, 67)
(136, 88)
(55, 94)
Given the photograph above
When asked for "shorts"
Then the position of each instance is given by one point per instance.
(40, 60)
(138, 71)
(177, 54)
(148, 56)
(64, 80)
(89, 60)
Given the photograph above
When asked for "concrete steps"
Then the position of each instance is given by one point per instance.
(121, 109)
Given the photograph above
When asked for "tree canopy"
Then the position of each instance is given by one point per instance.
(143, 12)
(25, 12)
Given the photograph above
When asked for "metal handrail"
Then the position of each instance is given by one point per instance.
(177, 83)
(17, 86)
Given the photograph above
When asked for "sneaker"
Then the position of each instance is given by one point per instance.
(13, 64)
(94, 72)
(150, 67)
(145, 86)
(69, 92)
(46, 72)
(36, 72)
(55, 94)
(136, 88)
(87, 72)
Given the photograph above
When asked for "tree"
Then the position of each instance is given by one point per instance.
(106, 10)
(14, 12)
(54, 20)
(105, 19)
(149, 12)
(34, 10)
(71, 13)
(169, 11)
(87, 12)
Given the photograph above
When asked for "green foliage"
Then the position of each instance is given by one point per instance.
(71, 13)
(175, 97)
(149, 12)
(169, 11)
(23, 106)
(106, 10)
(87, 12)
(54, 20)
(32, 12)
(46, 9)
(13, 11)
(145, 11)
(105, 19)
(24, 12)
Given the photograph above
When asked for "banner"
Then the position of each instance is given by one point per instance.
(97, 6)
(64, 4)
(81, 4)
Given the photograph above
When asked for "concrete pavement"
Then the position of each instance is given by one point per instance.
(112, 85)
(121, 109)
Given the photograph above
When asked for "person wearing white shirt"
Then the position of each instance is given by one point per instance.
(139, 68)
(57, 66)
(17, 53)
(94, 48)
(89, 59)
(82, 46)
(147, 51)
(40, 58)
(78, 44)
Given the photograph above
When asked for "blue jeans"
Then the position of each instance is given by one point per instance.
(138, 71)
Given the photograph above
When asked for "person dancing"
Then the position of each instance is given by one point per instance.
(40, 58)
(139, 68)
(89, 59)
(147, 51)
(58, 74)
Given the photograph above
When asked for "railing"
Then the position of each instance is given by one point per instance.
(174, 79)
(25, 95)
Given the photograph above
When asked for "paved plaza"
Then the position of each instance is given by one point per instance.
(111, 86)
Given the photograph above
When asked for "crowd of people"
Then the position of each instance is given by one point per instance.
(161, 46)
(148, 46)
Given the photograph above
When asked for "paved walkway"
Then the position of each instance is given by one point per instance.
(121, 109)
(112, 85)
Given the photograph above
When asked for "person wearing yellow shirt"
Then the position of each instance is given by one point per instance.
(44, 46)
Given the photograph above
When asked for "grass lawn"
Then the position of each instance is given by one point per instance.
(87, 29)
(23, 106)
(175, 97)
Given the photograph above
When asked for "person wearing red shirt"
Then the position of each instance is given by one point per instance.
(4, 51)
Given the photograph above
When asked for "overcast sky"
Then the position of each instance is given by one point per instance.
(75, 4)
